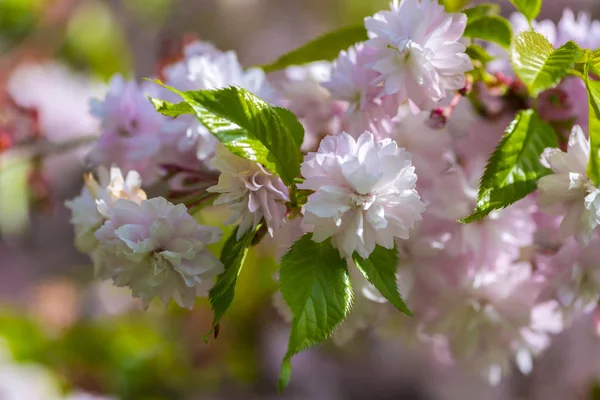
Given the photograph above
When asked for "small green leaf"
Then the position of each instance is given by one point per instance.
(171, 109)
(246, 125)
(316, 286)
(478, 53)
(481, 10)
(233, 255)
(326, 47)
(538, 65)
(514, 168)
(380, 270)
(454, 5)
(492, 28)
(593, 89)
(529, 8)
(594, 61)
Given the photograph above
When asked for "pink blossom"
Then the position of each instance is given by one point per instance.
(352, 81)
(364, 193)
(90, 209)
(131, 130)
(158, 250)
(304, 95)
(492, 318)
(573, 276)
(419, 53)
(498, 237)
(250, 191)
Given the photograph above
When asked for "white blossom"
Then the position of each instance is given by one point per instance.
(250, 191)
(89, 210)
(158, 249)
(419, 53)
(364, 193)
(569, 190)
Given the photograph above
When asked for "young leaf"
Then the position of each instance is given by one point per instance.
(454, 5)
(492, 28)
(594, 62)
(380, 270)
(593, 89)
(233, 255)
(326, 47)
(171, 109)
(246, 125)
(514, 168)
(529, 8)
(481, 10)
(316, 286)
(538, 65)
(478, 53)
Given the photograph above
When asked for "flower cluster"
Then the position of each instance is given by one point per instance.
(393, 157)
(149, 245)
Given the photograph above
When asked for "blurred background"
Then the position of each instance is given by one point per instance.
(66, 334)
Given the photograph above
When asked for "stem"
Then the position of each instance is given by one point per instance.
(45, 147)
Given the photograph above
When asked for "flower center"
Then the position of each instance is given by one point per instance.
(405, 48)
(362, 201)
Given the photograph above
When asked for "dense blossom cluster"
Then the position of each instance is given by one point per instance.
(487, 295)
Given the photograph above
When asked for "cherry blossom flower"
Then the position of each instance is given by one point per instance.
(91, 208)
(352, 81)
(131, 129)
(419, 53)
(573, 276)
(250, 191)
(158, 250)
(569, 191)
(496, 239)
(303, 93)
(364, 193)
(581, 29)
(493, 317)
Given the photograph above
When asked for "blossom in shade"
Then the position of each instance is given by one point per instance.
(490, 318)
(250, 191)
(581, 29)
(353, 82)
(131, 129)
(158, 250)
(573, 276)
(90, 209)
(364, 193)
(419, 55)
(303, 94)
(495, 239)
(569, 191)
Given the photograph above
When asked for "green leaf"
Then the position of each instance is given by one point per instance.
(454, 5)
(594, 61)
(326, 47)
(593, 89)
(538, 65)
(481, 10)
(380, 270)
(478, 53)
(171, 109)
(233, 255)
(492, 28)
(529, 8)
(514, 168)
(246, 125)
(316, 286)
